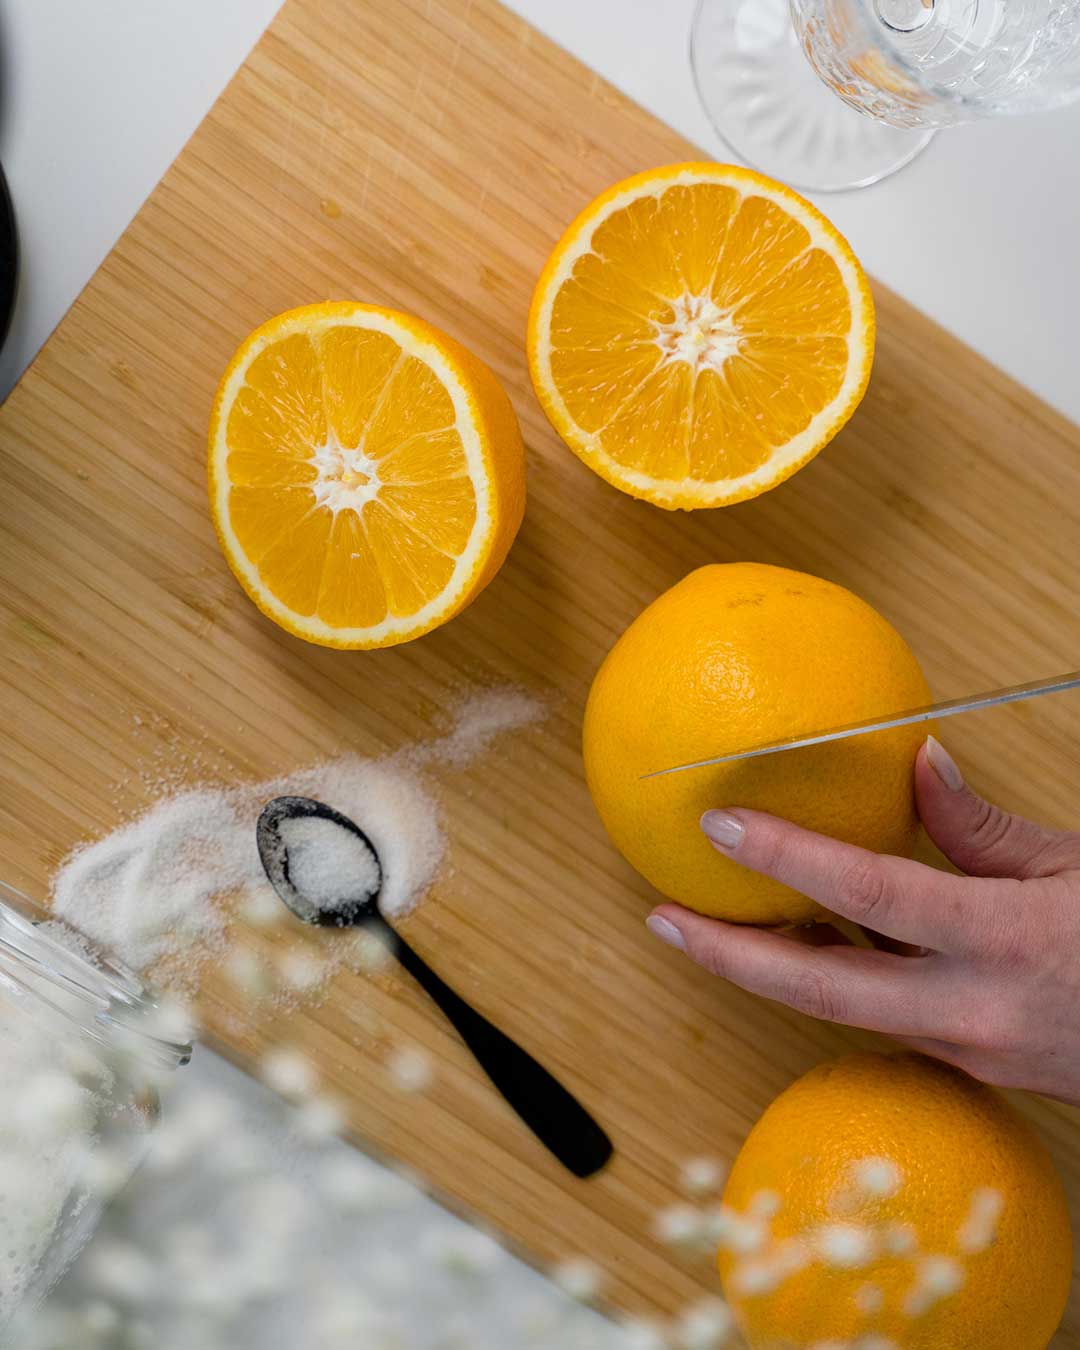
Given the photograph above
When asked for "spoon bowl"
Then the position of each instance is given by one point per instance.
(274, 854)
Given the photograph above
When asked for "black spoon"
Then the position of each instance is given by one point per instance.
(556, 1117)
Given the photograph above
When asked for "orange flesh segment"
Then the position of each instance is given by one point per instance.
(349, 560)
(780, 302)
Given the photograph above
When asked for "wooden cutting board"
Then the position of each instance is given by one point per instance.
(426, 156)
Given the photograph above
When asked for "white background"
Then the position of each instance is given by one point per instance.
(98, 96)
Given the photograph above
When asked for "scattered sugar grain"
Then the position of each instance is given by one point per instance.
(846, 1246)
(351, 1185)
(276, 1208)
(678, 1225)
(756, 1276)
(979, 1228)
(249, 973)
(936, 1277)
(369, 954)
(700, 1176)
(877, 1177)
(403, 1186)
(289, 1073)
(461, 1250)
(203, 1125)
(764, 1204)
(706, 1325)
(411, 1069)
(900, 1239)
(300, 970)
(173, 1018)
(206, 1119)
(261, 908)
(320, 1119)
(50, 1097)
(578, 1278)
(214, 1292)
(103, 1171)
(642, 1334)
(736, 1232)
(791, 1255)
(761, 1274)
(234, 1158)
(479, 719)
(346, 1316)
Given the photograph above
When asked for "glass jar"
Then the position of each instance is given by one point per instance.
(83, 1045)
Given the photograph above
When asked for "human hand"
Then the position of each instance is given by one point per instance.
(991, 981)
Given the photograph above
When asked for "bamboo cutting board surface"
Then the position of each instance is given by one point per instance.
(426, 156)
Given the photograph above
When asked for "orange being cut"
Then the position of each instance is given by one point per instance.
(367, 475)
(699, 333)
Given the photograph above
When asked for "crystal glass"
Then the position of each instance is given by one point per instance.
(769, 73)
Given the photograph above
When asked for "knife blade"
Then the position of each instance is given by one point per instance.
(1012, 693)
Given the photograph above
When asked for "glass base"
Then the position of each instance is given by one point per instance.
(764, 99)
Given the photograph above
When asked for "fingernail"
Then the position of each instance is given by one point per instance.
(944, 765)
(722, 828)
(665, 930)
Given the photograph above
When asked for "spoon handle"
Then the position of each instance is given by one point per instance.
(553, 1114)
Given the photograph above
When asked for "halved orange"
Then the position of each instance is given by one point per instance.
(699, 333)
(367, 475)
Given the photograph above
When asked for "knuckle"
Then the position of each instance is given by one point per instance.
(771, 849)
(816, 994)
(990, 828)
(862, 890)
(711, 953)
(992, 1030)
(1012, 936)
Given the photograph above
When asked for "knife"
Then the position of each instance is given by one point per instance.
(1012, 693)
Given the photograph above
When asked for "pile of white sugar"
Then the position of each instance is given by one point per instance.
(162, 891)
(329, 866)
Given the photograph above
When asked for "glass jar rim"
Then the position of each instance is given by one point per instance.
(82, 986)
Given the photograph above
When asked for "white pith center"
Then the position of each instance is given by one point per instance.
(348, 479)
(701, 333)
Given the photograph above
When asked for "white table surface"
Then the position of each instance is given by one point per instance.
(97, 98)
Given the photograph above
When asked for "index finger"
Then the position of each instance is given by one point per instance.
(905, 900)
(897, 995)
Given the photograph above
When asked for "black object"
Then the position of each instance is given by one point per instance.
(553, 1114)
(9, 259)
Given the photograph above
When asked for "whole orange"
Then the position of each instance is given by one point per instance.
(889, 1202)
(734, 655)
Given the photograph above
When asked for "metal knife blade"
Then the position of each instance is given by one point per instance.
(1012, 693)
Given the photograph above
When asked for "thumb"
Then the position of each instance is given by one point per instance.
(980, 838)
